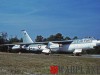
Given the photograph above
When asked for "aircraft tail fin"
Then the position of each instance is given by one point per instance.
(26, 37)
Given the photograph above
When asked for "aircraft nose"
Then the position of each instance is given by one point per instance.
(98, 43)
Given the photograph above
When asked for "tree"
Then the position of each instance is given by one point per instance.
(59, 37)
(67, 38)
(39, 38)
(75, 37)
(45, 39)
(3, 37)
(15, 39)
(56, 37)
(51, 38)
(19, 40)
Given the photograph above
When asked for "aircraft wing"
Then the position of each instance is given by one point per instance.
(59, 42)
(63, 42)
(7, 44)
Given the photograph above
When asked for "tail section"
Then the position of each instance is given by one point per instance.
(26, 37)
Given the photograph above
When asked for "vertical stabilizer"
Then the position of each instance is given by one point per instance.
(26, 37)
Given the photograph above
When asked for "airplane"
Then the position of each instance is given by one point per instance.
(76, 46)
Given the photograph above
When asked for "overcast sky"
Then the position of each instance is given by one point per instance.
(45, 17)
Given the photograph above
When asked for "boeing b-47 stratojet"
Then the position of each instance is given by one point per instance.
(75, 46)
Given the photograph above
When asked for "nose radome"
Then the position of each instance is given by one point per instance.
(98, 43)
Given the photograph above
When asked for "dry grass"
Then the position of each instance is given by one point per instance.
(27, 64)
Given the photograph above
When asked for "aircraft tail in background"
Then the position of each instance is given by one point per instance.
(26, 37)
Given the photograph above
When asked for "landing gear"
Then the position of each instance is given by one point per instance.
(77, 54)
(47, 53)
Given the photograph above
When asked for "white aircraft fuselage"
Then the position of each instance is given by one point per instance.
(77, 46)
(36, 47)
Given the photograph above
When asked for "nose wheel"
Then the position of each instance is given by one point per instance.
(77, 54)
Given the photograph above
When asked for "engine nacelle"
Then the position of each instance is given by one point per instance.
(16, 47)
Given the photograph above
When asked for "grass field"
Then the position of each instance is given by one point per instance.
(33, 64)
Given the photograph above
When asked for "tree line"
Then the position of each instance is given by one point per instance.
(5, 40)
(55, 37)
(39, 38)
